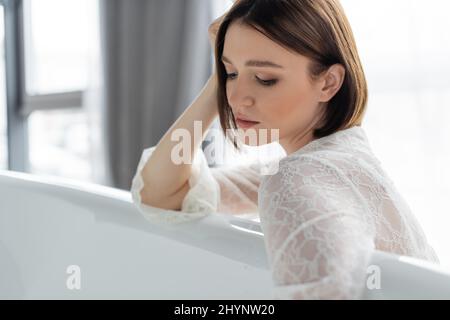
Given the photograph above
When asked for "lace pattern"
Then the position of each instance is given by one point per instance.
(323, 213)
(202, 199)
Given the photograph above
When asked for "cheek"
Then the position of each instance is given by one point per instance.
(289, 107)
(303, 96)
(286, 104)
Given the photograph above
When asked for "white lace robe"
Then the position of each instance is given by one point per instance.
(325, 210)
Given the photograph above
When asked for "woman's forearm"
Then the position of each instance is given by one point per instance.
(165, 182)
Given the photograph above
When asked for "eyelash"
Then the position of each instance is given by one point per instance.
(266, 83)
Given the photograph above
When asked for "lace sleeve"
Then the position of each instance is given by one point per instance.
(239, 185)
(202, 198)
(227, 189)
(238, 188)
(315, 231)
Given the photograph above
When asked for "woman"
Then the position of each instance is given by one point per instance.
(290, 65)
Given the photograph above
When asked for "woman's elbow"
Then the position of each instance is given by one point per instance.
(166, 202)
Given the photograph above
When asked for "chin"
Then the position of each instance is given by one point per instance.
(255, 137)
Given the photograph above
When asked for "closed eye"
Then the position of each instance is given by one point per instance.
(267, 83)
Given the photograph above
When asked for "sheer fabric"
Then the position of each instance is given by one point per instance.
(325, 210)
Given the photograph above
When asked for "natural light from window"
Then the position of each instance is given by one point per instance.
(57, 60)
(3, 133)
(56, 44)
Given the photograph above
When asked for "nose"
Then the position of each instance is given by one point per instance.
(239, 95)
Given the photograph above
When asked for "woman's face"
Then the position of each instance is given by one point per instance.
(277, 97)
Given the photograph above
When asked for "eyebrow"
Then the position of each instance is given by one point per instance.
(257, 63)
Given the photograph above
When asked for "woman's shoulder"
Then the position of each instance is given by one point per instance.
(345, 148)
(322, 166)
(298, 167)
(346, 153)
(348, 142)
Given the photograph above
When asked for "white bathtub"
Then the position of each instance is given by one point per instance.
(49, 224)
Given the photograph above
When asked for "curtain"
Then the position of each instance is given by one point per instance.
(154, 58)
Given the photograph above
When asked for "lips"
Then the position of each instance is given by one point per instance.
(245, 124)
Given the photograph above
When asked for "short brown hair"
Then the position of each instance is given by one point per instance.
(317, 29)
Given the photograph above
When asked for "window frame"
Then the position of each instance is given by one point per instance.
(17, 128)
(19, 104)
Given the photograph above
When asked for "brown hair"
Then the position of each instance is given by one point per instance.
(317, 29)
